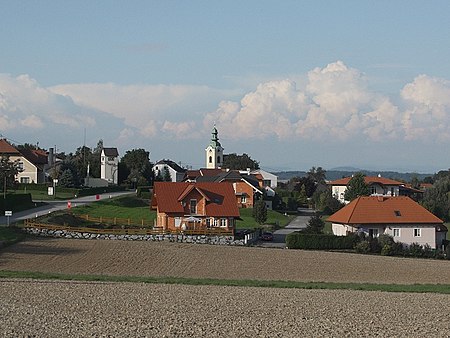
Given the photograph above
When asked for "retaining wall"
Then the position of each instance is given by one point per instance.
(198, 239)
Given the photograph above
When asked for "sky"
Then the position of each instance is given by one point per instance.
(294, 84)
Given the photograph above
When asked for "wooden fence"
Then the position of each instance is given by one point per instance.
(117, 221)
(129, 231)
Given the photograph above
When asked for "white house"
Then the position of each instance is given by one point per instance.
(109, 165)
(31, 162)
(267, 179)
(176, 172)
(378, 186)
(401, 217)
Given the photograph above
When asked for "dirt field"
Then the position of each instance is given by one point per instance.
(74, 309)
(205, 261)
(79, 309)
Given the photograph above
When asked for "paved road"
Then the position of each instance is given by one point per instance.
(297, 224)
(58, 205)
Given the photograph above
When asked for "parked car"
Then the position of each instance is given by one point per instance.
(267, 236)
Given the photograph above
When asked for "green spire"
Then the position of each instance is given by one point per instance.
(214, 138)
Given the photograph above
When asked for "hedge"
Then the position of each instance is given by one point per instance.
(14, 201)
(298, 240)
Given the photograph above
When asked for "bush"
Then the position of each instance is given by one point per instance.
(298, 240)
(447, 252)
(363, 247)
(15, 201)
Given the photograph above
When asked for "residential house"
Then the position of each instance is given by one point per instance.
(194, 206)
(378, 186)
(245, 187)
(31, 162)
(176, 172)
(109, 165)
(265, 178)
(401, 217)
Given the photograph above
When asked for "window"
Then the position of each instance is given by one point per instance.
(24, 180)
(397, 213)
(392, 191)
(218, 159)
(177, 222)
(193, 206)
(266, 183)
(210, 159)
(208, 222)
(243, 199)
(103, 158)
(20, 166)
(216, 222)
(373, 190)
(396, 232)
(417, 232)
(110, 158)
(373, 233)
(223, 222)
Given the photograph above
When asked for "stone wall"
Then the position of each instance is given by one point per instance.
(198, 239)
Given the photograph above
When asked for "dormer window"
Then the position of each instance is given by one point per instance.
(397, 213)
(193, 206)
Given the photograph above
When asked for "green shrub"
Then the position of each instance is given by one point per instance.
(385, 239)
(298, 240)
(363, 247)
(447, 252)
(415, 250)
(15, 202)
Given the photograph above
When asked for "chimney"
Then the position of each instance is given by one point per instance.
(50, 156)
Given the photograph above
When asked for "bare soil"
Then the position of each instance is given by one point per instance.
(134, 258)
(36, 308)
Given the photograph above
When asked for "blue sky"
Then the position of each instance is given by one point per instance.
(294, 84)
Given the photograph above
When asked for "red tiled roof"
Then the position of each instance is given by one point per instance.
(381, 210)
(222, 201)
(210, 172)
(6, 148)
(368, 179)
(35, 156)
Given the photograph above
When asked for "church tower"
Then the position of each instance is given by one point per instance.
(214, 151)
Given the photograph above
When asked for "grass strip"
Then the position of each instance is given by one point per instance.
(419, 288)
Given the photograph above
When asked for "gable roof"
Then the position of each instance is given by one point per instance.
(6, 148)
(368, 179)
(110, 152)
(171, 164)
(221, 201)
(35, 156)
(381, 210)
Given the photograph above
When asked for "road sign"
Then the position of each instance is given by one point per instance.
(8, 213)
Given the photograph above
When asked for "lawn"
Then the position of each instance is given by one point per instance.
(128, 207)
(38, 195)
(10, 235)
(273, 218)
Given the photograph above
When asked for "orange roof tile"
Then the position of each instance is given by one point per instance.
(368, 179)
(381, 210)
(6, 148)
(222, 200)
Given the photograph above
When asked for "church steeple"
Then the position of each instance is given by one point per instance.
(214, 151)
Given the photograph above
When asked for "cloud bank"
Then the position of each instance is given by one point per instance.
(337, 103)
(334, 103)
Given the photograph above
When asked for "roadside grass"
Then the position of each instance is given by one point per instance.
(37, 195)
(448, 232)
(128, 207)
(420, 288)
(273, 218)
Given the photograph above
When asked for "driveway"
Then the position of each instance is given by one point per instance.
(297, 224)
(58, 205)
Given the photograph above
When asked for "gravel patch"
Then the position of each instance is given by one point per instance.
(80, 309)
(134, 258)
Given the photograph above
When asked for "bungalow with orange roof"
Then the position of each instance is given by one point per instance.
(31, 162)
(401, 217)
(194, 206)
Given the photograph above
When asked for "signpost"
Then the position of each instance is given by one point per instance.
(8, 214)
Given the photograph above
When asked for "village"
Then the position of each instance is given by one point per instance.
(205, 205)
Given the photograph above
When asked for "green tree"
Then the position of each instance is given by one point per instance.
(356, 187)
(436, 199)
(239, 162)
(315, 225)
(66, 179)
(8, 171)
(302, 199)
(94, 160)
(317, 175)
(138, 164)
(326, 203)
(166, 175)
(260, 211)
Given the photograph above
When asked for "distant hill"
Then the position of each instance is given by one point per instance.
(335, 174)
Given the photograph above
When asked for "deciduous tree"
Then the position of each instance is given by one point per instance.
(356, 187)
(260, 211)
